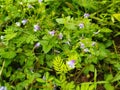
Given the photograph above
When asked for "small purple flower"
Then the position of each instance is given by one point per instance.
(82, 46)
(24, 21)
(86, 50)
(18, 24)
(86, 15)
(37, 45)
(93, 43)
(3, 88)
(52, 33)
(71, 63)
(40, 1)
(81, 25)
(36, 27)
(60, 36)
(30, 6)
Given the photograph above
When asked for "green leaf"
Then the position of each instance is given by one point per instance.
(92, 87)
(78, 87)
(70, 26)
(10, 36)
(46, 46)
(109, 87)
(109, 43)
(116, 78)
(117, 16)
(105, 30)
(48, 0)
(118, 33)
(70, 86)
(108, 77)
(60, 20)
(89, 68)
(63, 20)
(40, 80)
(29, 1)
(47, 75)
(112, 18)
(9, 54)
(84, 86)
(59, 65)
(31, 39)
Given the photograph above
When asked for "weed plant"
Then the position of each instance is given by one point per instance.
(59, 45)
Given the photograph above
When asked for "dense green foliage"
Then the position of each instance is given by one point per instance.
(59, 45)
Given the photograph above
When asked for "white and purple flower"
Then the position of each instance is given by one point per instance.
(52, 33)
(36, 27)
(37, 45)
(81, 25)
(3, 88)
(60, 36)
(93, 43)
(71, 63)
(24, 21)
(82, 46)
(30, 6)
(40, 1)
(86, 15)
(86, 50)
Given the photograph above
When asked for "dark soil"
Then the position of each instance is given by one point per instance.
(117, 43)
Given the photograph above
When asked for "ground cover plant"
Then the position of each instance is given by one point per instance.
(59, 45)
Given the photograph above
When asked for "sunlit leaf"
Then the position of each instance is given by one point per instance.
(117, 16)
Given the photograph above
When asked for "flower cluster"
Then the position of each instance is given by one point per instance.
(86, 50)
(24, 21)
(82, 46)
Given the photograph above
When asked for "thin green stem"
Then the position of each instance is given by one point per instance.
(80, 72)
(2, 68)
(115, 49)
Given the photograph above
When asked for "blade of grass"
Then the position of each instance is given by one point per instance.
(2, 68)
